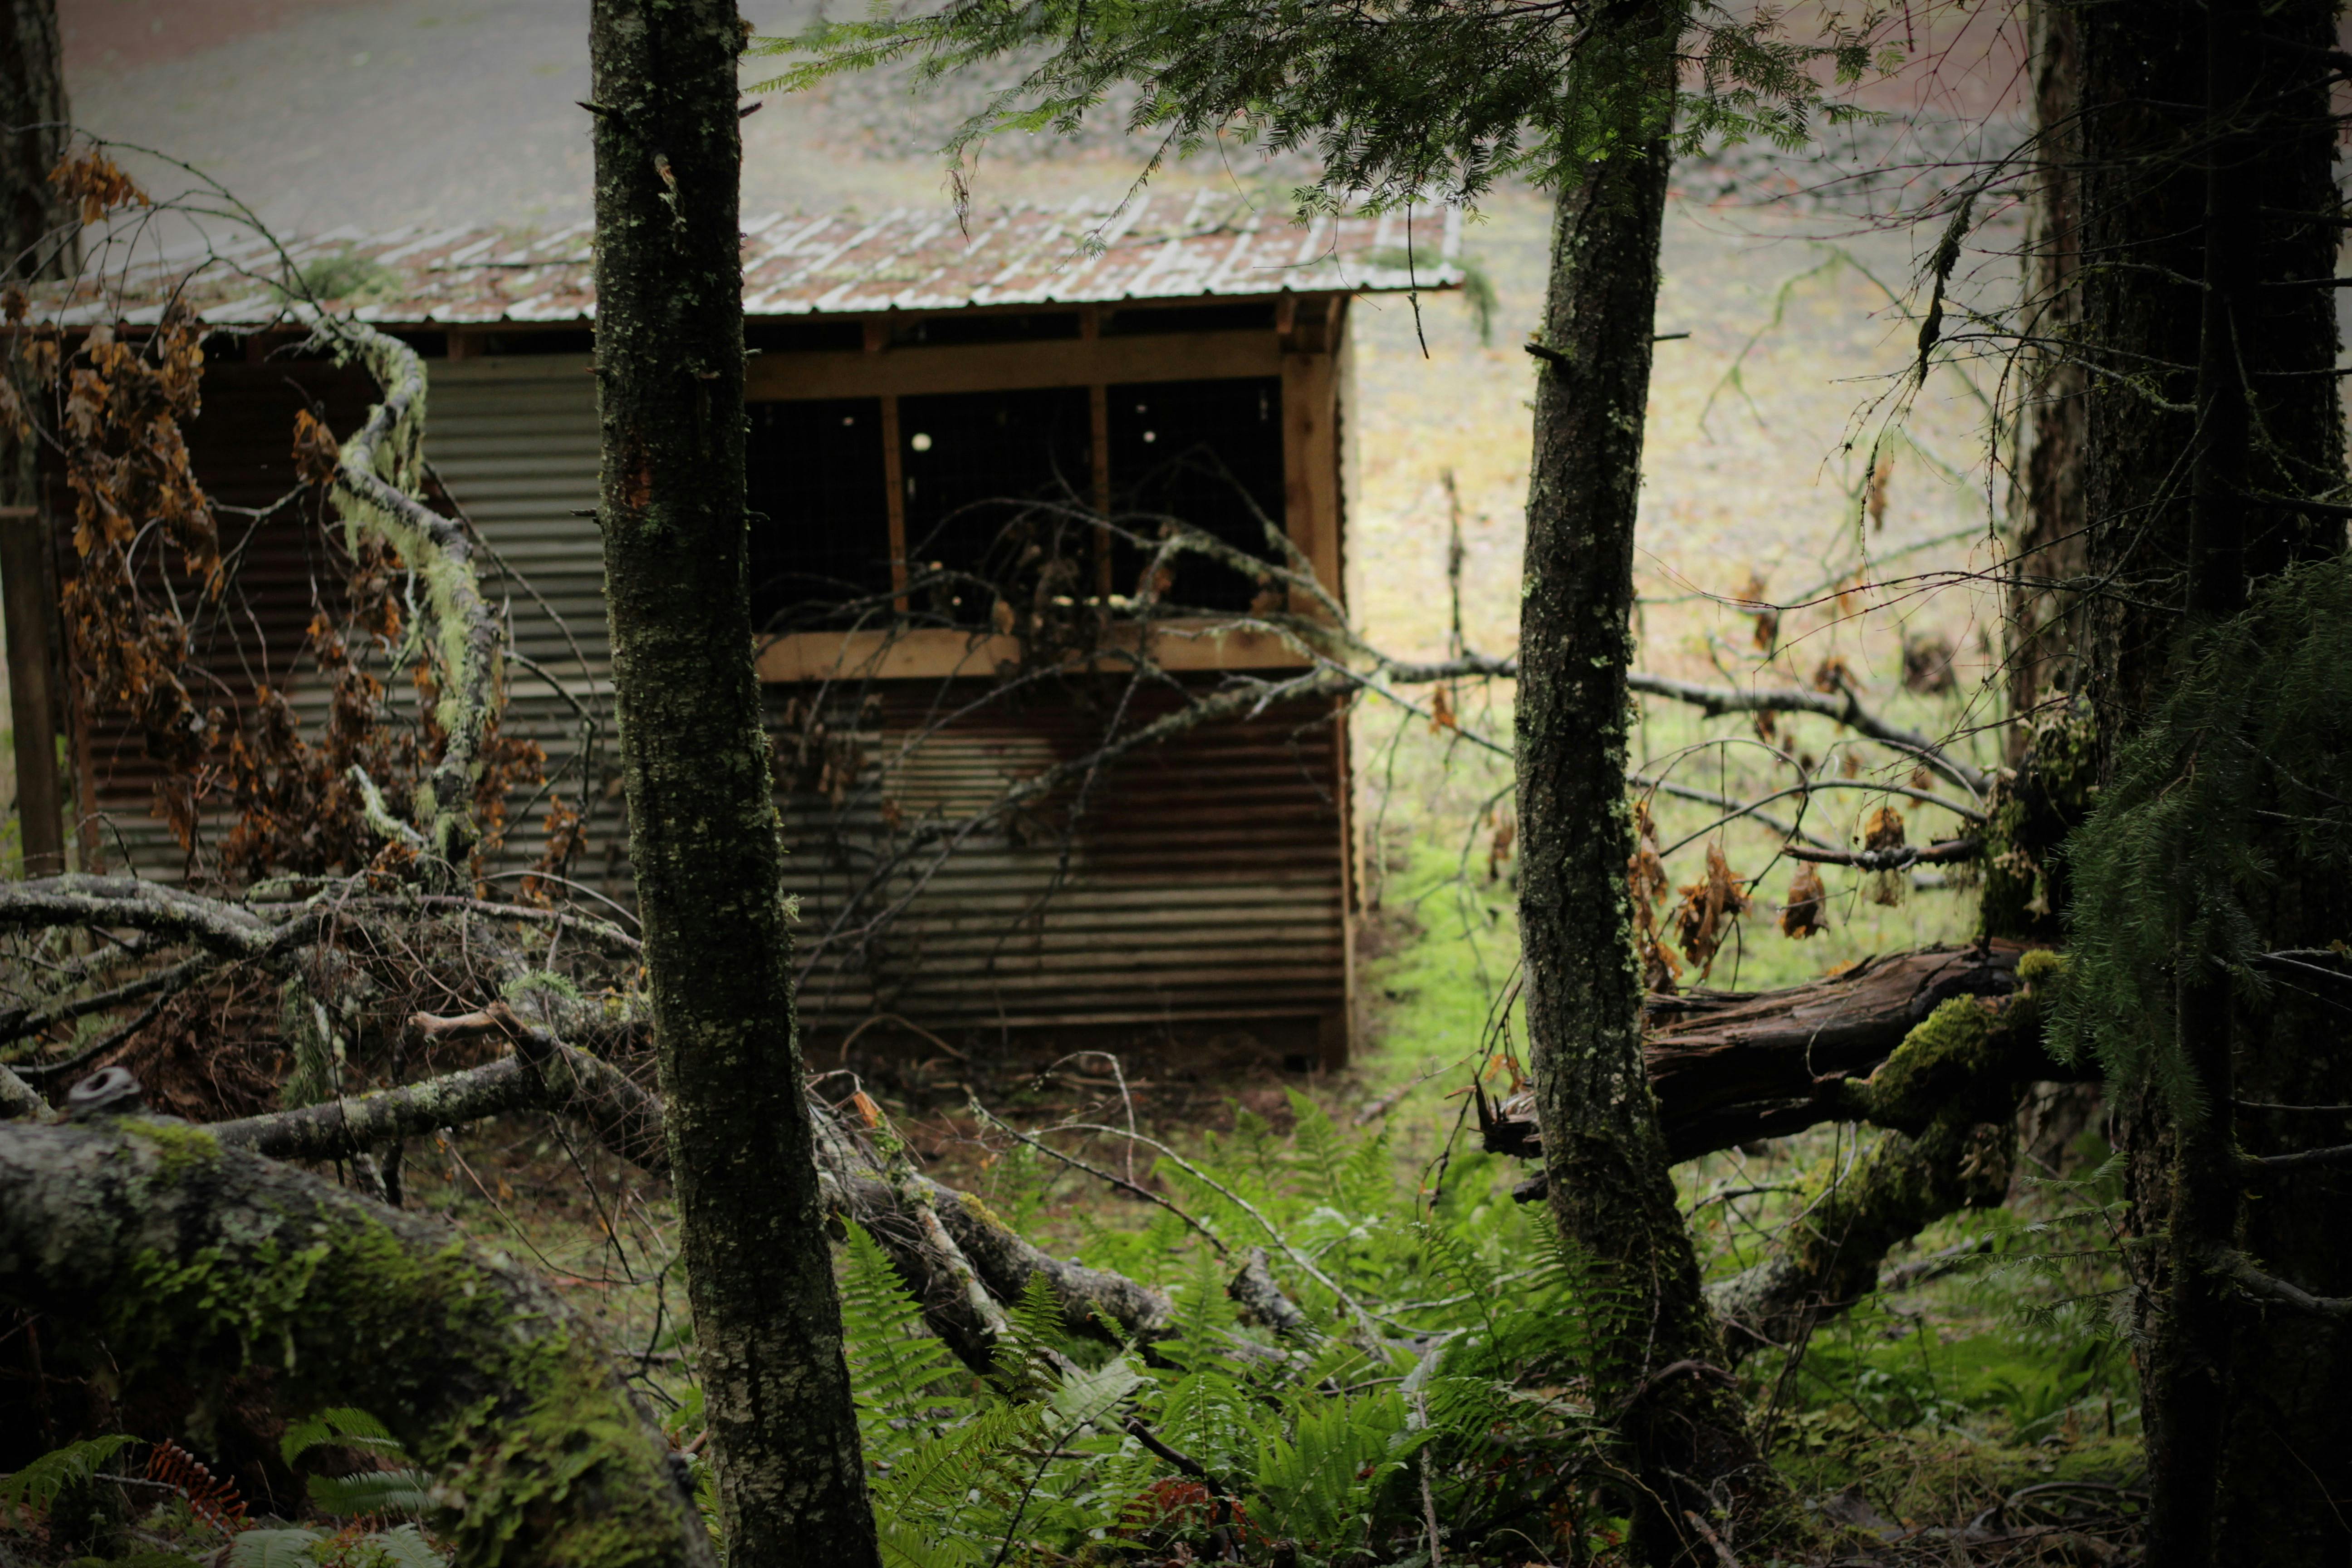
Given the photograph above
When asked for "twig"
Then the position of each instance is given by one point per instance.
(1940, 852)
(1101, 1175)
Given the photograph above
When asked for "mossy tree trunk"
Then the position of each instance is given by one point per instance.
(2209, 192)
(1605, 1159)
(703, 829)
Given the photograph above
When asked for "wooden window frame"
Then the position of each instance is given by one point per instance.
(1303, 351)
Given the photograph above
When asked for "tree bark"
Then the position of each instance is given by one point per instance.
(185, 1259)
(2209, 204)
(703, 829)
(38, 240)
(1605, 1159)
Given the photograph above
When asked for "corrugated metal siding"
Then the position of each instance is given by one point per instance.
(1205, 879)
(516, 443)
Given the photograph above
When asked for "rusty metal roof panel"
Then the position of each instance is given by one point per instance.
(1159, 247)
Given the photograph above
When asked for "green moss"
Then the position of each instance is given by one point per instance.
(2031, 811)
(1951, 1052)
(548, 1463)
(2041, 966)
(180, 1147)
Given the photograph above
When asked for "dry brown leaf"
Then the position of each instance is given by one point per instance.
(1498, 853)
(1705, 915)
(1879, 479)
(1645, 880)
(1806, 910)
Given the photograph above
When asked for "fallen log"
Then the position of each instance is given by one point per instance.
(194, 1261)
(1733, 1067)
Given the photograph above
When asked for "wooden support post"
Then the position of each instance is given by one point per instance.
(893, 480)
(31, 610)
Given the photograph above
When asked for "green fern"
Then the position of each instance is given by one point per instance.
(371, 1494)
(36, 1486)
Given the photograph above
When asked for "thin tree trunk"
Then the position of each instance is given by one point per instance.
(36, 241)
(703, 830)
(1605, 1159)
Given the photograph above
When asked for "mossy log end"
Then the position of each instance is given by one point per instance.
(200, 1262)
(1948, 1096)
(1728, 1068)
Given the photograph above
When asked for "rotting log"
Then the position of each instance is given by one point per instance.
(192, 1260)
(1730, 1069)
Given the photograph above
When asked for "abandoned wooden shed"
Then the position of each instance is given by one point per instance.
(941, 419)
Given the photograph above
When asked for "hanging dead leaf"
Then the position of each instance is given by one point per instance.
(1806, 910)
(1440, 713)
(1767, 615)
(1498, 852)
(1767, 728)
(1832, 676)
(316, 455)
(1883, 830)
(1880, 477)
(1921, 778)
(1927, 665)
(1645, 880)
(1849, 765)
(91, 179)
(1707, 909)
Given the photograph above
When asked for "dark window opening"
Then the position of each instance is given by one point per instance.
(427, 345)
(1204, 452)
(976, 466)
(821, 528)
(824, 334)
(975, 327)
(515, 345)
(1254, 317)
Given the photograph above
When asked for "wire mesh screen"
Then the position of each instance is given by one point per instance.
(821, 528)
(1201, 452)
(974, 463)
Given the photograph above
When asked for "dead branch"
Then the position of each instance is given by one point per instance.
(378, 477)
(2238, 1267)
(1939, 853)
(1844, 706)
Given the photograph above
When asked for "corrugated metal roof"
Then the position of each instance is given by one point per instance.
(1159, 247)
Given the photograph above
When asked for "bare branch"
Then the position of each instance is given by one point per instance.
(1944, 850)
(1844, 706)
(2256, 1282)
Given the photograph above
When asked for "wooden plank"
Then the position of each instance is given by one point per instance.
(1310, 465)
(894, 488)
(1009, 367)
(1098, 416)
(939, 652)
(31, 611)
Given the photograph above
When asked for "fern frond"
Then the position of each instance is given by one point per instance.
(288, 1548)
(382, 1494)
(344, 1426)
(38, 1484)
